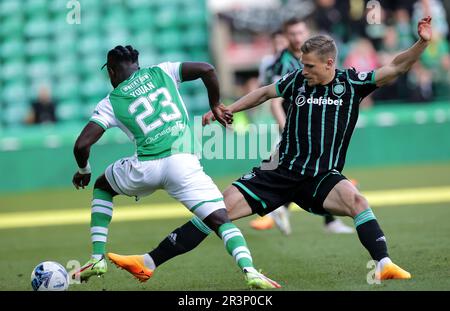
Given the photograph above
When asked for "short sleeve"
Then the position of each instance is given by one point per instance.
(275, 78)
(104, 115)
(284, 86)
(173, 70)
(363, 82)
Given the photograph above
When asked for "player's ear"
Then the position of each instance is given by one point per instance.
(330, 62)
(110, 72)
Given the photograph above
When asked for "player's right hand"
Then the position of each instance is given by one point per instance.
(220, 113)
(424, 28)
(81, 180)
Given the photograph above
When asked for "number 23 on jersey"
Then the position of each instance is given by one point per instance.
(164, 98)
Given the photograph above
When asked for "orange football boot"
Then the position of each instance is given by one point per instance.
(392, 271)
(133, 264)
(262, 223)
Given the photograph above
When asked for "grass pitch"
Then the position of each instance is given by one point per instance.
(418, 238)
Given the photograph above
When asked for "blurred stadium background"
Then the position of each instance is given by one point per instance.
(401, 140)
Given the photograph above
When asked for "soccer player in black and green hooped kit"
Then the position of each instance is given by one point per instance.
(321, 119)
(296, 32)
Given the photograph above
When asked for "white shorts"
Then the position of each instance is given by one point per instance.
(181, 175)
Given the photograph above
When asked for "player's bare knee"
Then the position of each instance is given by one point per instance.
(346, 201)
(359, 205)
(351, 200)
(237, 206)
(230, 200)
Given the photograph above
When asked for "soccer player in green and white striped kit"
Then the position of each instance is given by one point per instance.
(147, 106)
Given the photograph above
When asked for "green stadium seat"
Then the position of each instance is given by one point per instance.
(139, 4)
(119, 37)
(38, 47)
(15, 114)
(13, 69)
(199, 54)
(168, 40)
(67, 88)
(39, 69)
(68, 110)
(37, 27)
(93, 5)
(172, 5)
(94, 87)
(91, 65)
(65, 45)
(144, 40)
(166, 18)
(173, 56)
(10, 7)
(66, 66)
(196, 102)
(35, 7)
(193, 15)
(90, 25)
(114, 19)
(62, 31)
(147, 58)
(141, 19)
(12, 92)
(194, 37)
(57, 8)
(11, 49)
(90, 44)
(188, 88)
(12, 27)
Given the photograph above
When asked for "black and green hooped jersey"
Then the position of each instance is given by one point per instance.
(320, 119)
(149, 109)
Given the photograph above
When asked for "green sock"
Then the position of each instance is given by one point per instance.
(236, 246)
(101, 214)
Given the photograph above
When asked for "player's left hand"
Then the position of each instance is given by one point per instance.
(81, 180)
(424, 28)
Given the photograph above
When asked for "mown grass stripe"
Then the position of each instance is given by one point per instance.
(410, 196)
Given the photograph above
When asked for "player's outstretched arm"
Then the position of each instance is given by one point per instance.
(254, 98)
(88, 136)
(404, 61)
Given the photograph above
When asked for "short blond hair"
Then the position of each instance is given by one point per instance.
(324, 46)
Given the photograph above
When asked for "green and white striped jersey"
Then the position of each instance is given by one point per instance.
(149, 109)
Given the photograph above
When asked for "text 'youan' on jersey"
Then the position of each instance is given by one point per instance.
(320, 119)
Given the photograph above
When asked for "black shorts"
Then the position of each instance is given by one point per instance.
(266, 190)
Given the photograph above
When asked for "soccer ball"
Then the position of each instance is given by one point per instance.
(49, 276)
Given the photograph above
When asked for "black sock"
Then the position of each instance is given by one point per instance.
(180, 241)
(328, 219)
(373, 239)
